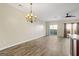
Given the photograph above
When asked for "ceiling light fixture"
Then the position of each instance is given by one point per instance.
(30, 17)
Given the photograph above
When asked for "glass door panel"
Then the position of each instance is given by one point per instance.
(68, 28)
(74, 28)
(71, 28)
(52, 29)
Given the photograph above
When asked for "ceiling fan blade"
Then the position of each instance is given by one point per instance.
(67, 15)
(73, 16)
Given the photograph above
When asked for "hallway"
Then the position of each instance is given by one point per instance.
(44, 46)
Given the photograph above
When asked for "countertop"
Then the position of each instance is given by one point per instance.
(74, 36)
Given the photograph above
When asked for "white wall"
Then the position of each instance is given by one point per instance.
(60, 23)
(14, 28)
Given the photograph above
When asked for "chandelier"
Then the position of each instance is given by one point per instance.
(30, 17)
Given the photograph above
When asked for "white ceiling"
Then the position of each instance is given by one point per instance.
(50, 11)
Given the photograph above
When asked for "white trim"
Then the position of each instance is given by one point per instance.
(20, 42)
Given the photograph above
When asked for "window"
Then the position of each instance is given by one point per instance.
(53, 26)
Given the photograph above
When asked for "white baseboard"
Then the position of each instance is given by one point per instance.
(20, 43)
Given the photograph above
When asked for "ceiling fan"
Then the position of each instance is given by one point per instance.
(68, 15)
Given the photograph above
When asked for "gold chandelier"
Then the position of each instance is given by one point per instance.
(30, 17)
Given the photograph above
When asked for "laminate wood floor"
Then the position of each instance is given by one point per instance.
(44, 46)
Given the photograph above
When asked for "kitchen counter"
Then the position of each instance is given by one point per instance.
(74, 37)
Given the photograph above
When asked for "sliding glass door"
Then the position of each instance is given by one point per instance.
(71, 28)
(68, 28)
(52, 29)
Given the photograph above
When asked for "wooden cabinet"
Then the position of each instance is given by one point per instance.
(74, 47)
(77, 45)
